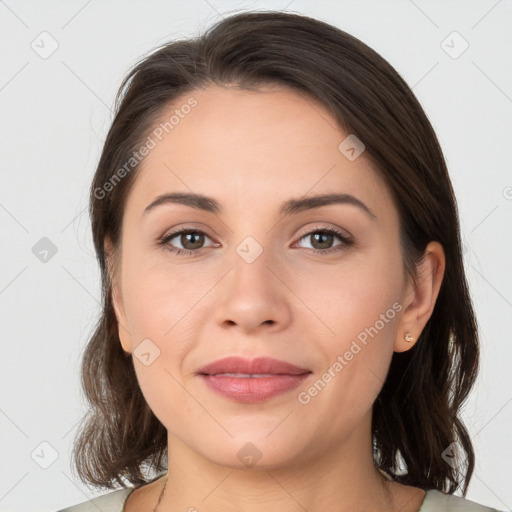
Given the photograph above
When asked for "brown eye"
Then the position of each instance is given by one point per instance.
(192, 240)
(322, 240)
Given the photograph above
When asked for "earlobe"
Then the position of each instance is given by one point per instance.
(124, 338)
(405, 343)
(422, 297)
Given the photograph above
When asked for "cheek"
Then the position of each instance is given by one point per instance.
(359, 303)
(162, 302)
(356, 295)
(157, 294)
(157, 309)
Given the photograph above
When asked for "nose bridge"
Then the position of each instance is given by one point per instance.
(251, 266)
(252, 295)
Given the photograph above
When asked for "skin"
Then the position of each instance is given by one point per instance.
(251, 151)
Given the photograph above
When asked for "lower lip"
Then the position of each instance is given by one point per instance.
(253, 389)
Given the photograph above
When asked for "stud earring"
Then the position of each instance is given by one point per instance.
(408, 337)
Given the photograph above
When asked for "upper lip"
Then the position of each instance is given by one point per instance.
(260, 365)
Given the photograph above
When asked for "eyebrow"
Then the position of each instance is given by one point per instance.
(291, 206)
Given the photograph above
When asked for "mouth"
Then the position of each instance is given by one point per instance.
(245, 375)
(241, 367)
(253, 380)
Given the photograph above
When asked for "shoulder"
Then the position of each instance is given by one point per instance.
(437, 501)
(111, 502)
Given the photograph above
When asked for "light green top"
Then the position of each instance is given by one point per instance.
(434, 501)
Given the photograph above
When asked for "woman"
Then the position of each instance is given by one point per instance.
(286, 321)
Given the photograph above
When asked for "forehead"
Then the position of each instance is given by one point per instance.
(249, 148)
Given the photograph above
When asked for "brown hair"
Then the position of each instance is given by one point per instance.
(416, 416)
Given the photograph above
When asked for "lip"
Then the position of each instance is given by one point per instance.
(259, 365)
(283, 377)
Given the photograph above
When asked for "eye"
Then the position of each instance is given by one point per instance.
(191, 241)
(322, 239)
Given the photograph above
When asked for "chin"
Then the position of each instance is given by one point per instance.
(253, 452)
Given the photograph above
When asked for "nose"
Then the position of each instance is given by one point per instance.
(252, 296)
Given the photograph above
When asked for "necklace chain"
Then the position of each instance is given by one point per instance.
(161, 495)
(386, 497)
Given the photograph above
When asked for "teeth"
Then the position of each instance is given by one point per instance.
(247, 375)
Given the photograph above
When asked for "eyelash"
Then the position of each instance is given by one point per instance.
(346, 241)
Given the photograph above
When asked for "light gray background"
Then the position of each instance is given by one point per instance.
(55, 115)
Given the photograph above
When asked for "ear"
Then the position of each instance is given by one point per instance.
(117, 299)
(420, 298)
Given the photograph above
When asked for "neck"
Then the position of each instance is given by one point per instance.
(340, 480)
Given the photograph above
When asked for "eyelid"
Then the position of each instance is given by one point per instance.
(345, 238)
(325, 227)
(173, 233)
(304, 232)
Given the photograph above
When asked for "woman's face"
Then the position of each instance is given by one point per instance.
(248, 282)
